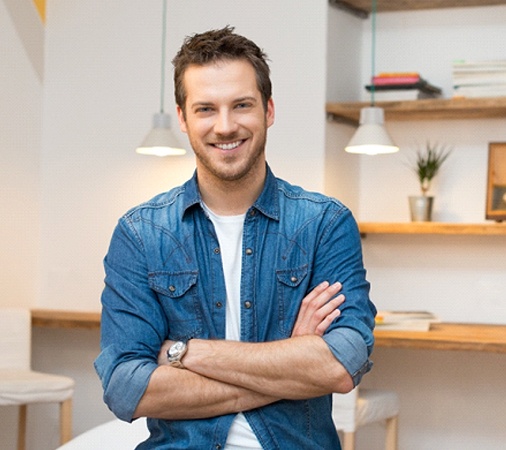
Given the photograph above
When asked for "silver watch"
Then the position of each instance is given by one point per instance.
(175, 354)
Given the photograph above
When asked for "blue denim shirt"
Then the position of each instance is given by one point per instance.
(164, 280)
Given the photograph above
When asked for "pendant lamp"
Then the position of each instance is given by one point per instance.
(371, 137)
(161, 141)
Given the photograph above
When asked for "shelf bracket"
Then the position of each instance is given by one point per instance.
(345, 6)
(340, 119)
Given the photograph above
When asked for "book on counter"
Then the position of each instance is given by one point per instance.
(405, 320)
(397, 86)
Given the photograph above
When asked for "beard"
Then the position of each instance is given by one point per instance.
(233, 168)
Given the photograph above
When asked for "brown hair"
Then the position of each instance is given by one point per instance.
(219, 45)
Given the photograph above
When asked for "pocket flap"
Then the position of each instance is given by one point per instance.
(292, 277)
(172, 284)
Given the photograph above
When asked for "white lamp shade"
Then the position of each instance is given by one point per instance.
(160, 141)
(371, 137)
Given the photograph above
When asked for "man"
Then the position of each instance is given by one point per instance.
(224, 313)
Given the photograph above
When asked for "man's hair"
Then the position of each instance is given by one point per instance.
(220, 45)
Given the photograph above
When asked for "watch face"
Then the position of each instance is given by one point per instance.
(176, 349)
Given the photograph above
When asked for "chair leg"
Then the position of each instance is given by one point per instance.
(65, 421)
(22, 427)
(391, 433)
(349, 441)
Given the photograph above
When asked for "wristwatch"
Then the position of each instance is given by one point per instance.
(175, 354)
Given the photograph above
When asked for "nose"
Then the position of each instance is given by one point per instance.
(225, 123)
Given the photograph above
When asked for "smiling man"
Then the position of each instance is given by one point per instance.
(235, 304)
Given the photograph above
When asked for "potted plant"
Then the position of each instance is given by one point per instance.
(427, 163)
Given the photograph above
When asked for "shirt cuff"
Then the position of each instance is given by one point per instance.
(136, 374)
(350, 349)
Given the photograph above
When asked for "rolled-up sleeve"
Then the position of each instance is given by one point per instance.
(133, 325)
(125, 385)
(350, 349)
(350, 338)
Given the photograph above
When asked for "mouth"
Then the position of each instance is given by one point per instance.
(229, 145)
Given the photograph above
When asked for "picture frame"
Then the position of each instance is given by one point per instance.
(496, 182)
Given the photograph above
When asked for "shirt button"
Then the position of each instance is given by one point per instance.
(219, 304)
(172, 288)
(218, 446)
(247, 305)
(249, 251)
(217, 250)
(294, 279)
(252, 212)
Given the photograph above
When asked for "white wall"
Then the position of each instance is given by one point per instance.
(101, 88)
(458, 267)
(448, 399)
(20, 129)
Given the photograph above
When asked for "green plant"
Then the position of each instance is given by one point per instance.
(427, 163)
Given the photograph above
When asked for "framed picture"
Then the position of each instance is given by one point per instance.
(496, 182)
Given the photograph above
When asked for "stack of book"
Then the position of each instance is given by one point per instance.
(398, 86)
(479, 78)
(405, 320)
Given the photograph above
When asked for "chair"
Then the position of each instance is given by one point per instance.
(19, 385)
(363, 406)
(112, 435)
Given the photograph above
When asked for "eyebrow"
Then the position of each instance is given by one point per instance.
(237, 100)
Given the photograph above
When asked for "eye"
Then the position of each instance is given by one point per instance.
(244, 105)
(203, 109)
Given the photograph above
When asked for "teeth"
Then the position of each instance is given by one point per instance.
(230, 146)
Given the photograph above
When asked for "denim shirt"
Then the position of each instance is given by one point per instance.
(164, 280)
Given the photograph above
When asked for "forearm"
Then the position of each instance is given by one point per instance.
(295, 368)
(181, 394)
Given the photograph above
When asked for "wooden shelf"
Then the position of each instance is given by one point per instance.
(483, 229)
(427, 109)
(51, 318)
(447, 336)
(408, 5)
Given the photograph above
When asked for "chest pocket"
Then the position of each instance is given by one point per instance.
(177, 293)
(292, 286)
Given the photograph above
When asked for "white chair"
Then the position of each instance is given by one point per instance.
(113, 435)
(19, 385)
(361, 407)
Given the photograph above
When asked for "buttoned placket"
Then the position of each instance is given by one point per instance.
(248, 305)
(216, 289)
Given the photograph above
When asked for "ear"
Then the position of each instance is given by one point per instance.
(181, 119)
(269, 115)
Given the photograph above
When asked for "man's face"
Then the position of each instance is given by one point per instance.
(225, 119)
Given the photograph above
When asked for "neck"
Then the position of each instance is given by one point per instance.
(229, 198)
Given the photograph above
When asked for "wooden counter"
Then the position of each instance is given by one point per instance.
(442, 336)
(448, 336)
(53, 318)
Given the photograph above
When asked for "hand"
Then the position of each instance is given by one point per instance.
(318, 310)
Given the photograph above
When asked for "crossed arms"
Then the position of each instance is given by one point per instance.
(222, 377)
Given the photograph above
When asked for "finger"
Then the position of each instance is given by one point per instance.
(311, 322)
(328, 309)
(323, 325)
(313, 303)
(323, 292)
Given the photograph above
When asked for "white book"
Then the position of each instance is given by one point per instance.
(392, 95)
(405, 320)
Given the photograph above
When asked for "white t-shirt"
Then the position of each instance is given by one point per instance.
(229, 230)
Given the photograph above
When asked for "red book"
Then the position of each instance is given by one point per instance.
(396, 80)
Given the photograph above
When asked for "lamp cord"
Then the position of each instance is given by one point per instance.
(164, 28)
(373, 50)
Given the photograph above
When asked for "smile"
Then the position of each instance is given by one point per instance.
(229, 146)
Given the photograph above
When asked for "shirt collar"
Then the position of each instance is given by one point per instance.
(267, 203)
